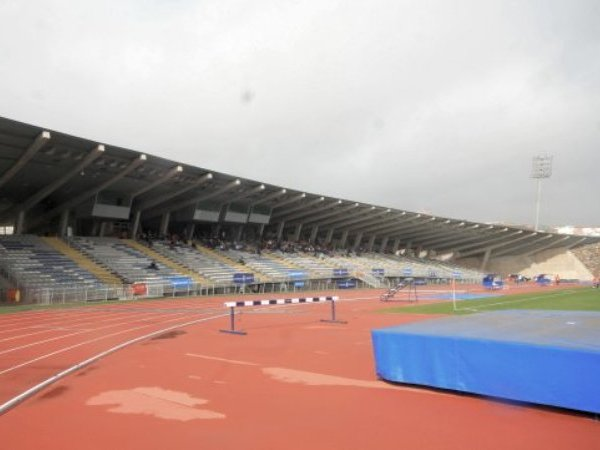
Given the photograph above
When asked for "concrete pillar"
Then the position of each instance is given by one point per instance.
(344, 239)
(297, 232)
(240, 231)
(357, 241)
(396, 245)
(63, 223)
(20, 223)
(371, 243)
(329, 236)
(261, 230)
(383, 245)
(313, 233)
(191, 228)
(280, 228)
(486, 258)
(164, 224)
(136, 224)
(102, 229)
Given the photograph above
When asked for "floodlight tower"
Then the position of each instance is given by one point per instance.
(541, 168)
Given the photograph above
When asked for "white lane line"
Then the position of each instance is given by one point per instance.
(64, 328)
(49, 315)
(63, 336)
(6, 406)
(47, 355)
(216, 358)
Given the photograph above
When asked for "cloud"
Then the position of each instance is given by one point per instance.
(416, 105)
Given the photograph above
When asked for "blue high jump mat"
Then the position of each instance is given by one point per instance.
(545, 357)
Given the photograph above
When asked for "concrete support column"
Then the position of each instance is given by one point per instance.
(297, 232)
(313, 233)
(344, 239)
(20, 223)
(486, 258)
(164, 224)
(396, 245)
(261, 230)
(102, 229)
(191, 228)
(329, 236)
(240, 231)
(63, 223)
(371, 243)
(357, 241)
(280, 228)
(383, 245)
(136, 224)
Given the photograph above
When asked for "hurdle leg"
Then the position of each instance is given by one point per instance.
(333, 318)
(232, 329)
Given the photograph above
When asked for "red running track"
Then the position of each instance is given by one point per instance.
(292, 383)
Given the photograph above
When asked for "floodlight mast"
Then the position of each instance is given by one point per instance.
(540, 169)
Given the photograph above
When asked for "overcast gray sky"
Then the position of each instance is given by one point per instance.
(434, 106)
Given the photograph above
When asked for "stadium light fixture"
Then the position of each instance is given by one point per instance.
(209, 176)
(541, 168)
(143, 157)
(179, 169)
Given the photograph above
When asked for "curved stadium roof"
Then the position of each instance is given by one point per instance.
(45, 172)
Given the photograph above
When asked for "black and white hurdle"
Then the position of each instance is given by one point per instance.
(279, 301)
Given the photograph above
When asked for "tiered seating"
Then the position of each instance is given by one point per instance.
(127, 263)
(589, 255)
(34, 264)
(210, 268)
(317, 267)
(273, 269)
(431, 268)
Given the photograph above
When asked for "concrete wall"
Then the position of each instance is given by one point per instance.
(555, 261)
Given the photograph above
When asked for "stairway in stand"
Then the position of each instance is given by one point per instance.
(241, 268)
(83, 261)
(156, 256)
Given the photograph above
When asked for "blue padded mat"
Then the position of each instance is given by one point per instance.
(545, 357)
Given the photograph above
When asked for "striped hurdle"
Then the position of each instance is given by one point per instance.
(279, 301)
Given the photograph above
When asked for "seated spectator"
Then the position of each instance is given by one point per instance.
(153, 266)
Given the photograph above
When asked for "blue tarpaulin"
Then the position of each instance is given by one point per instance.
(243, 278)
(340, 272)
(297, 275)
(546, 357)
(180, 282)
(346, 284)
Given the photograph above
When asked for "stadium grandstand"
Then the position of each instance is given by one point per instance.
(83, 220)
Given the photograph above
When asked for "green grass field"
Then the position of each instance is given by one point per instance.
(582, 299)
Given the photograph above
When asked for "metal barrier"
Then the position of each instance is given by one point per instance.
(280, 301)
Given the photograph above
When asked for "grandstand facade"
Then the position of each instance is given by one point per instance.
(108, 214)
